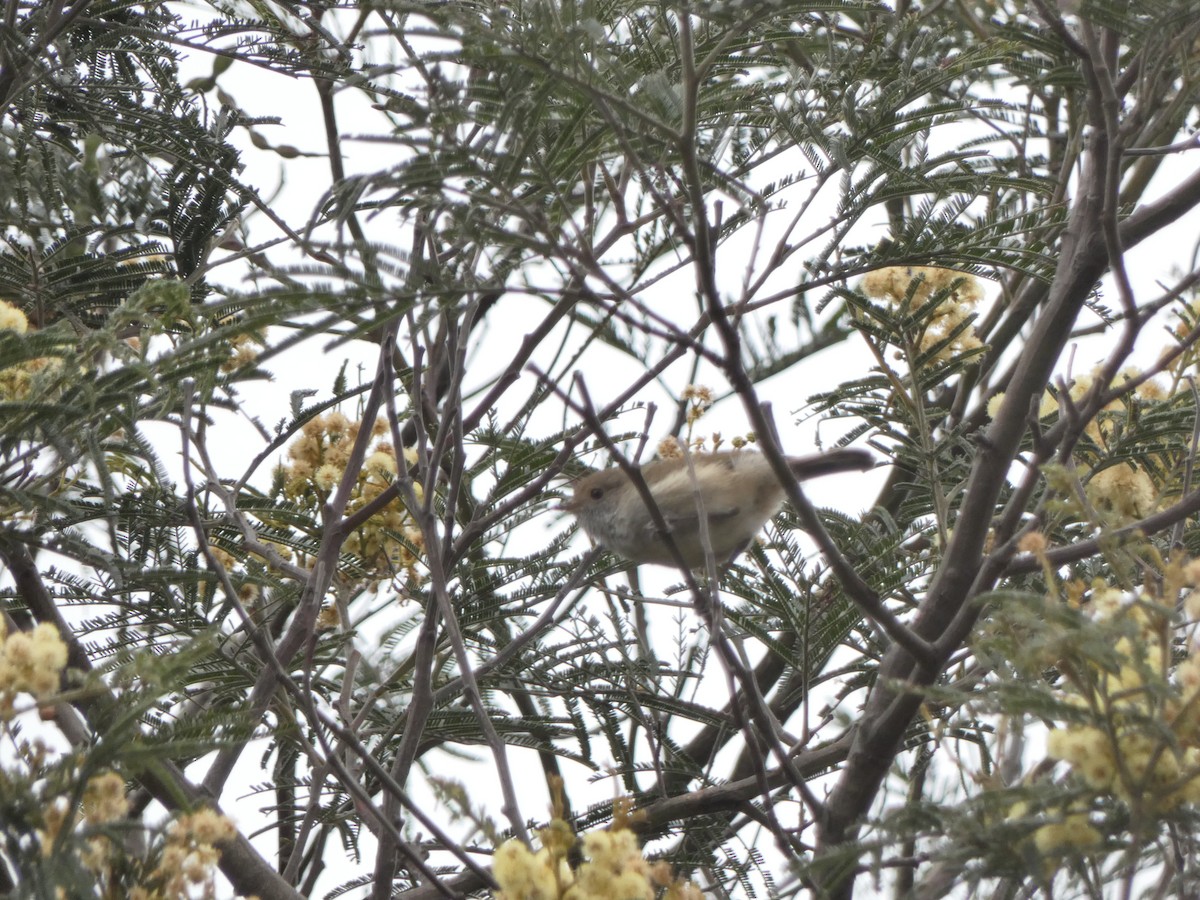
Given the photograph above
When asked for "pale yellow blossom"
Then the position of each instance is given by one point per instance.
(12, 319)
(961, 292)
(104, 799)
(1126, 492)
(669, 448)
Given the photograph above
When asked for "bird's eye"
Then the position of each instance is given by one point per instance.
(596, 493)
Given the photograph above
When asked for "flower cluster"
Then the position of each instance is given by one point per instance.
(699, 400)
(1065, 833)
(317, 463)
(1137, 735)
(944, 329)
(20, 381)
(104, 799)
(12, 319)
(1124, 491)
(248, 591)
(613, 869)
(670, 447)
(1071, 832)
(30, 662)
(104, 802)
(189, 858)
(1098, 429)
(244, 348)
(242, 345)
(183, 869)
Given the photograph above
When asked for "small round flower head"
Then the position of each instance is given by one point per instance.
(190, 856)
(699, 400)
(894, 283)
(1073, 833)
(523, 875)
(381, 463)
(1123, 490)
(32, 662)
(669, 448)
(12, 319)
(945, 334)
(1032, 542)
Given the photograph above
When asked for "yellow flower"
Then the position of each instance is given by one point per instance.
(327, 477)
(522, 875)
(12, 319)
(104, 799)
(1032, 542)
(33, 661)
(1073, 833)
(328, 618)
(994, 404)
(960, 292)
(894, 282)
(669, 448)
(380, 463)
(1123, 490)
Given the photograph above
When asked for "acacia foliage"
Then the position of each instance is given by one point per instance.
(653, 195)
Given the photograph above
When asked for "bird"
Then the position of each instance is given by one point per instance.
(734, 491)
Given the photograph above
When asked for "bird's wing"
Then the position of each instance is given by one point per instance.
(690, 522)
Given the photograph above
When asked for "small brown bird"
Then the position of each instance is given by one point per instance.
(735, 491)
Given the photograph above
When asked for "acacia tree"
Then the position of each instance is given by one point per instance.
(985, 681)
